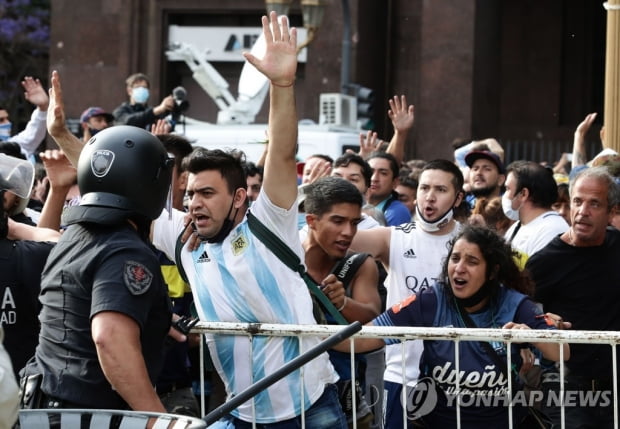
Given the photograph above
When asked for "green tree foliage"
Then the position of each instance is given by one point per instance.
(24, 51)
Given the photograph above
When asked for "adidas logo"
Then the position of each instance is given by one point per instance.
(204, 257)
(409, 254)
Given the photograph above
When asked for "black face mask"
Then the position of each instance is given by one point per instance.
(476, 298)
(92, 131)
(227, 226)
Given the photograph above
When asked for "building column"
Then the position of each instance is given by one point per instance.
(612, 76)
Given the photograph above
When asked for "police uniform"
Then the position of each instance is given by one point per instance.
(96, 268)
(21, 264)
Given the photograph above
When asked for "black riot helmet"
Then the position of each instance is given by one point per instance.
(123, 172)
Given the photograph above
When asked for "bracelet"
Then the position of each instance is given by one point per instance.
(283, 86)
(344, 303)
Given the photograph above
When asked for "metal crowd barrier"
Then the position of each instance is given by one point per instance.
(458, 335)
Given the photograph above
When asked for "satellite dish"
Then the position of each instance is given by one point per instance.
(251, 81)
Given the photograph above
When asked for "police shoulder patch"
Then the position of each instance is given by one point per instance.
(137, 277)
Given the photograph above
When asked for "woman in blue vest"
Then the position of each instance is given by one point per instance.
(481, 287)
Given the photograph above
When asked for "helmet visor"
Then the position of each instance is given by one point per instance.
(16, 175)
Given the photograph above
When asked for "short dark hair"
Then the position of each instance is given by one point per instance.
(409, 182)
(537, 179)
(321, 156)
(348, 158)
(178, 146)
(391, 159)
(229, 164)
(321, 195)
(448, 167)
(250, 169)
(137, 77)
(11, 149)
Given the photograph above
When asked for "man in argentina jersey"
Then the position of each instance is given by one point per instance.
(235, 278)
(412, 254)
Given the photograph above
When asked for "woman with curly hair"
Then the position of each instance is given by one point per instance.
(480, 287)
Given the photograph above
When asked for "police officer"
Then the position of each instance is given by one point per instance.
(21, 263)
(105, 310)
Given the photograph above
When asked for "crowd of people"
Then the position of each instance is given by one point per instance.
(117, 242)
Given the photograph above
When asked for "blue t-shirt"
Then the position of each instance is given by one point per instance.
(395, 212)
(483, 386)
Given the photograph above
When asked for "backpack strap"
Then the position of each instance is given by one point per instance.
(291, 260)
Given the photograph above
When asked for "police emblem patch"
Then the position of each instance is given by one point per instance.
(101, 162)
(137, 277)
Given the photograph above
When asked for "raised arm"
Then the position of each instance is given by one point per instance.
(579, 140)
(31, 137)
(375, 241)
(62, 175)
(369, 143)
(22, 231)
(279, 65)
(56, 125)
(402, 117)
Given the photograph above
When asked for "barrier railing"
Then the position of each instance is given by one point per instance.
(611, 338)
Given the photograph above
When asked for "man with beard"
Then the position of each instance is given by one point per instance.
(486, 175)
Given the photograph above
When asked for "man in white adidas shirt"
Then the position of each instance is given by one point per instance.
(236, 278)
(412, 255)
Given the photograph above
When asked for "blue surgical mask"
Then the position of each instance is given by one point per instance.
(5, 131)
(140, 94)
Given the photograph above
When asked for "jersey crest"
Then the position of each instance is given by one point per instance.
(137, 277)
(239, 244)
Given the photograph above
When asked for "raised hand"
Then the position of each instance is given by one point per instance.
(279, 63)
(60, 172)
(584, 126)
(369, 143)
(402, 117)
(56, 124)
(34, 93)
(56, 114)
(160, 127)
(318, 170)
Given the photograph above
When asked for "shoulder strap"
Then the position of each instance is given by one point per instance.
(346, 268)
(499, 363)
(177, 257)
(291, 260)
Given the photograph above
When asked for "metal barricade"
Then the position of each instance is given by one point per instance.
(458, 335)
(103, 419)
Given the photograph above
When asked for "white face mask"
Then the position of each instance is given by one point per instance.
(436, 225)
(510, 213)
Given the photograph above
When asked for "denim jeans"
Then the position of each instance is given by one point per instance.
(324, 413)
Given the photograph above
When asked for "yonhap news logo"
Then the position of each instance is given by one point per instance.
(421, 399)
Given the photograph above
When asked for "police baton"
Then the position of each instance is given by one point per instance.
(291, 366)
